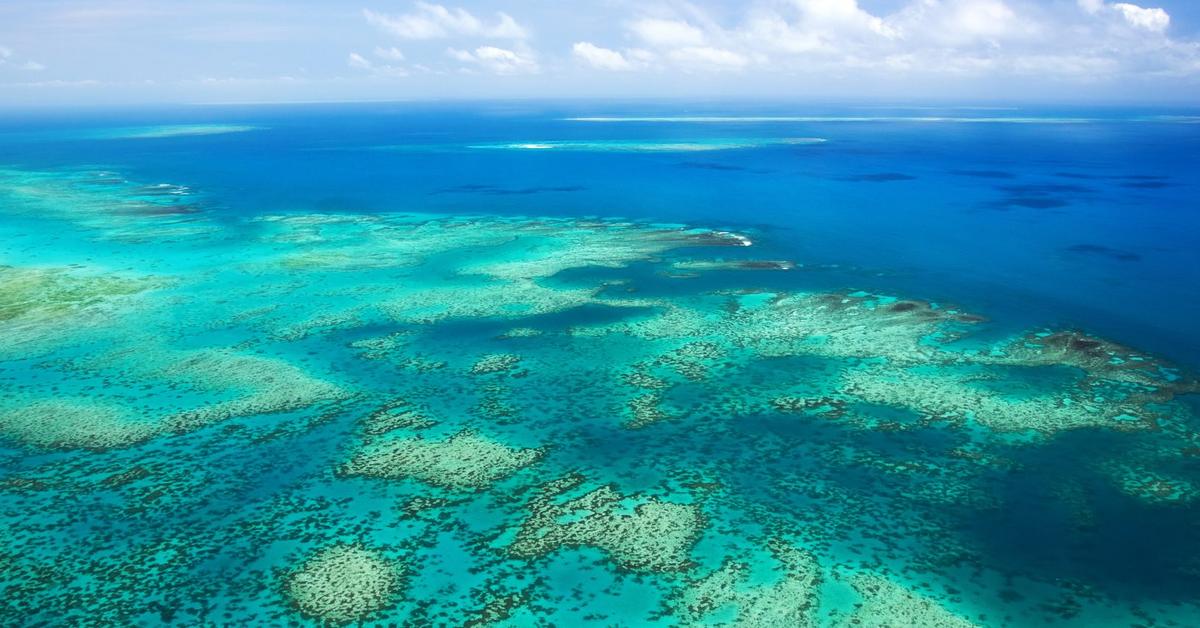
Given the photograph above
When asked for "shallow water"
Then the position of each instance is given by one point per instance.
(304, 364)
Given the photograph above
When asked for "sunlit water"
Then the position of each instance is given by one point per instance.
(548, 365)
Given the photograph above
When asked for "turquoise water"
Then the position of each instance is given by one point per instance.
(542, 364)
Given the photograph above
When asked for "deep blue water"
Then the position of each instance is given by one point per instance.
(1087, 220)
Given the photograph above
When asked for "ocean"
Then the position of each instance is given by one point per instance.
(600, 363)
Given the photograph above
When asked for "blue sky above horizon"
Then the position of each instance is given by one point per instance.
(142, 51)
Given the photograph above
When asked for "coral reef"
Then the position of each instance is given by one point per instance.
(465, 460)
(395, 415)
(791, 601)
(886, 603)
(656, 536)
(232, 420)
(496, 363)
(644, 410)
(344, 583)
(56, 292)
(270, 386)
(79, 423)
(950, 396)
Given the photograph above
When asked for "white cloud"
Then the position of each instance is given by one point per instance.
(962, 38)
(359, 62)
(460, 55)
(434, 21)
(667, 33)
(1151, 19)
(29, 65)
(1154, 19)
(708, 58)
(984, 19)
(498, 60)
(841, 15)
(960, 23)
(390, 54)
(600, 58)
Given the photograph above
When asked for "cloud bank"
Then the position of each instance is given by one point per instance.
(1145, 50)
(1090, 40)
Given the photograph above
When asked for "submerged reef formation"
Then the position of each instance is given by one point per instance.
(465, 460)
(653, 535)
(791, 601)
(41, 305)
(888, 604)
(344, 583)
(319, 418)
(48, 293)
(496, 363)
(221, 385)
(72, 424)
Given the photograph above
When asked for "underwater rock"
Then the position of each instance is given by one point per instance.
(692, 360)
(640, 379)
(105, 206)
(1152, 486)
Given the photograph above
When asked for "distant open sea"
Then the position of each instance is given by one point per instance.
(600, 363)
(1080, 217)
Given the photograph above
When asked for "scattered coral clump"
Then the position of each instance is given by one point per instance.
(655, 535)
(1099, 358)
(235, 385)
(948, 396)
(495, 363)
(324, 323)
(344, 583)
(465, 460)
(790, 601)
(887, 604)
(266, 386)
(73, 424)
(395, 415)
(380, 347)
(644, 410)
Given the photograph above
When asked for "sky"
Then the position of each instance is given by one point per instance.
(80, 52)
